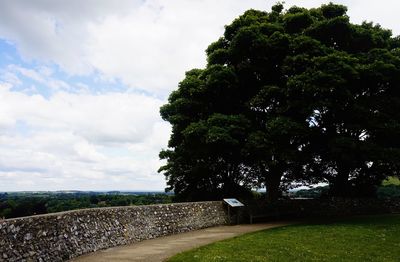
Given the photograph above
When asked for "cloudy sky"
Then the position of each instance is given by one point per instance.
(81, 83)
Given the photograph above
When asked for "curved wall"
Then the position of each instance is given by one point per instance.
(61, 236)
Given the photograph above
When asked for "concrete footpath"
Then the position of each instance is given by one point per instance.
(159, 249)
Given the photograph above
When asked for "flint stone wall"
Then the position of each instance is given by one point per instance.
(337, 207)
(314, 208)
(62, 236)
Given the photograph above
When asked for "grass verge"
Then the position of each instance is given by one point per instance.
(373, 238)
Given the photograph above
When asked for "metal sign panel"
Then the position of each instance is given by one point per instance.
(233, 202)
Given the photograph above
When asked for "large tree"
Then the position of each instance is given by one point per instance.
(298, 95)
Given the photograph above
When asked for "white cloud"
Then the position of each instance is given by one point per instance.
(73, 138)
(55, 31)
(153, 46)
(42, 75)
(147, 44)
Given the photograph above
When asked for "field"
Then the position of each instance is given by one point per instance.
(19, 204)
(374, 238)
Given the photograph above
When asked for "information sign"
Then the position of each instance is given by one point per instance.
(233, 202)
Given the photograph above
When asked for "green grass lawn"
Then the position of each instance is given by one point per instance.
(374, 238)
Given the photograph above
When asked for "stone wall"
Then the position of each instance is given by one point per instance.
(314, 208)
(340, 207)
(61, 236)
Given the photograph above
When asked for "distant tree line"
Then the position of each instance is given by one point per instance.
(322, 192)
(18, 205)
(296, 96)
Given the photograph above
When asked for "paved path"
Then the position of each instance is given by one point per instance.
(159, 249)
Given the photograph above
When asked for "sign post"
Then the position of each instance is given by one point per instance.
(233, 203)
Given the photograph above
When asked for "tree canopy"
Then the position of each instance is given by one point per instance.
(297, 95)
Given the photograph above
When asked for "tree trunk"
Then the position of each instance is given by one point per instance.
(273, 191)
(340, 185)
(272, 183)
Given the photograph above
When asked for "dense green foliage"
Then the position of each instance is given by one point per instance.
(301, 95)
(389, 191)
(375, 238)
(391, 181)
(26, 204)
